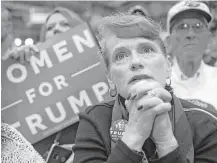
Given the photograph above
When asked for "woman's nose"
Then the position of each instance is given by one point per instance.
(56, 30)
(136, 63)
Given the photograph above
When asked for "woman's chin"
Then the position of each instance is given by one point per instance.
(143, 85)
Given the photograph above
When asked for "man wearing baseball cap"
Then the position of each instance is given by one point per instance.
(187, 25)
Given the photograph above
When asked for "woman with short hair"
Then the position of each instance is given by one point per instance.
(146, 122)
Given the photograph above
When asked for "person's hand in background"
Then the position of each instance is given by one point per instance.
(22, 53)
(69, 147)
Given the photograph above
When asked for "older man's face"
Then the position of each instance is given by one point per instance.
(189, 37)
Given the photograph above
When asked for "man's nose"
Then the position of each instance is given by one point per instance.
(190, 34)
(136, 62)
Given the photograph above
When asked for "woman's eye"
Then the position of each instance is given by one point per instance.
(65, 24)
(120, 56)
(147, 50)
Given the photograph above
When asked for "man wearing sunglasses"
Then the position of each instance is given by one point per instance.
(187, 25)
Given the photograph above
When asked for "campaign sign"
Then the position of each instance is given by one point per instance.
(46, 95)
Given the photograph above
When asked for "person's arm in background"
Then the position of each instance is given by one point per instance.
(210, 56)
(22, 53)
(8, 49)
(15, 148)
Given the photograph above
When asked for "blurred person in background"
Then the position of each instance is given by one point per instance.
(21, 53)
(6, 33)
(14, 147)
(60, 20)
(146, 122)
(211, 52)
(192, 79)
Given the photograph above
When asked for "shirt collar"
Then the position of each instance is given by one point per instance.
(119, 111)
(178, 73)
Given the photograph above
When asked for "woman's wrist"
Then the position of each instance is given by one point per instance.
(163, 148)
(133, 141)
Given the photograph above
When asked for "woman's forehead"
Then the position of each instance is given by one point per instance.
(122, 42)
(113, 43)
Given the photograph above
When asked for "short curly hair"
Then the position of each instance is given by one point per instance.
(148, 28)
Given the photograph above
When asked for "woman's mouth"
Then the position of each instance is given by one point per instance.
(138, 78)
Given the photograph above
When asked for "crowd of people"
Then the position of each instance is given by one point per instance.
(164, 89)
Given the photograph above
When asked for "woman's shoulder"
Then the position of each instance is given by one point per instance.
(100, 108)
(96, 121)
(99, 115)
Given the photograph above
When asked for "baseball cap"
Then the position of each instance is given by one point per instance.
(188, 6)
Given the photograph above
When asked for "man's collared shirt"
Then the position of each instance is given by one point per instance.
(202, 86)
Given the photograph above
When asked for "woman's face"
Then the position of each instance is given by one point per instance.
(57, 23)
(136, 63)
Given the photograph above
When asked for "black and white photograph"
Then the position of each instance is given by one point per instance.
(109, 81)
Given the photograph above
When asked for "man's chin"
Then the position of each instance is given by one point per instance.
(191, 52)
(191, 49)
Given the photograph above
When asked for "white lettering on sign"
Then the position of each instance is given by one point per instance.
(35, 121)
(100, 89)
(61, 51)
(19, 67)
(16, 124)
(88, 41)
(83, 98)
(61, 111)
(47, 117)
(30, 95)
(48, 87)
(60, 82)
(44, 58)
